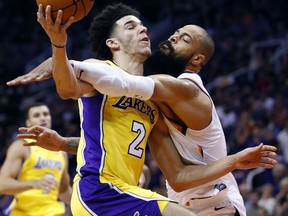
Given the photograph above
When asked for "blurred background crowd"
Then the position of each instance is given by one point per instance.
(247, 79)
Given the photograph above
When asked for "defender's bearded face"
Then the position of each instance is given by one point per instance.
(164, 60)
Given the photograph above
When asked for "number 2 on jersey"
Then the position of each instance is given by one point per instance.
(134, 148)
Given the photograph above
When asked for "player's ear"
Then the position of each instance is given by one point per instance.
(198, 59)
(112, 43)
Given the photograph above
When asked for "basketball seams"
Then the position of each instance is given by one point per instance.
(84, 6)
(77, 8)
(73, 3)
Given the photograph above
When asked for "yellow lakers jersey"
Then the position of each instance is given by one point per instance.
(114, 133)
(34, 202)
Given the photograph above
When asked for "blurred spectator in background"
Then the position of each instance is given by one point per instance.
(281, 208)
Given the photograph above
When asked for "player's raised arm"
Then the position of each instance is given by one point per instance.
(66, 82)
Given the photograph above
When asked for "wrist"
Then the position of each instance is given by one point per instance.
(233, 161)
(28, 185)
(58, 46)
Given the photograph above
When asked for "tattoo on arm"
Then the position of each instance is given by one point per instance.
(72, 145)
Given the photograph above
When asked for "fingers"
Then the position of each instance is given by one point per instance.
(68, 23)
(24, 79)
(16, 81)
(43, 76)
(58, 18)
(48, 15)
(49, 183)
(264, 162)
(30, 133)
(268, 160)
(44, 17)
(269, 148)
(267, 163)
(27, 79)
(50, 180)
(21, 80)
(30, 144)
(50, 21)
(27, 136)
(23, 129)
(40, 15)
(268, 154)
(34, 129)
(266, 166)
(34, 75)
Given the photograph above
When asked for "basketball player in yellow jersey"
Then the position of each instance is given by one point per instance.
(36, 177)
(114, 130)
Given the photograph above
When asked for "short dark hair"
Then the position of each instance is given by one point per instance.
(102, 27)
(31, 105)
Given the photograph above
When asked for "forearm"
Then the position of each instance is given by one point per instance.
(71, 144)
(10, 186)
(66, 196)
(180, 175)
(63, 74)
(195, 175)
(113, 81)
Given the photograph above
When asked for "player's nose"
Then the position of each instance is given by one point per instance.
(173, 38)
(143, 29)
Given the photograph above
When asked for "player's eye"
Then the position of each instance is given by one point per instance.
(36, 115)
(130, 26)
(186, 39)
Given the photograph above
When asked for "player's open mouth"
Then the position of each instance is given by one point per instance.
(145, 39)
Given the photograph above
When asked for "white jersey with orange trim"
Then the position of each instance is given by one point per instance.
(203, 147)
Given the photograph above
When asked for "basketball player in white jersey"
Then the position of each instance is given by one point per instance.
(192, 122)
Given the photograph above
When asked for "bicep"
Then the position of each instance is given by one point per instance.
(14, 161)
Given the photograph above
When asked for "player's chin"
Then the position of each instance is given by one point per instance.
(146, 51)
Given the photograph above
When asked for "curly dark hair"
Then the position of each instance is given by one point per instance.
(102, 26)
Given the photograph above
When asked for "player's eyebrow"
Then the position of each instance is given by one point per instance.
(132, 22)
(184, 33)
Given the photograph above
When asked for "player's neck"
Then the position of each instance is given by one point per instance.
(133, 66)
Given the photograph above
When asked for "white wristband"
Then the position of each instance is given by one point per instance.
(113, 81)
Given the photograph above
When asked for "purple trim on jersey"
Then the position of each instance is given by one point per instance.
(92, 130)
(104, 200)
(180, 127)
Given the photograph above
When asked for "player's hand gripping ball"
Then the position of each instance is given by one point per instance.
(77, 8)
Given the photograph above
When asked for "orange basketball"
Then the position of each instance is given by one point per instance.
(77, 8)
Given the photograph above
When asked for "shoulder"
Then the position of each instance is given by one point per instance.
(191, 76)
(17, 144)
(17, 149)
